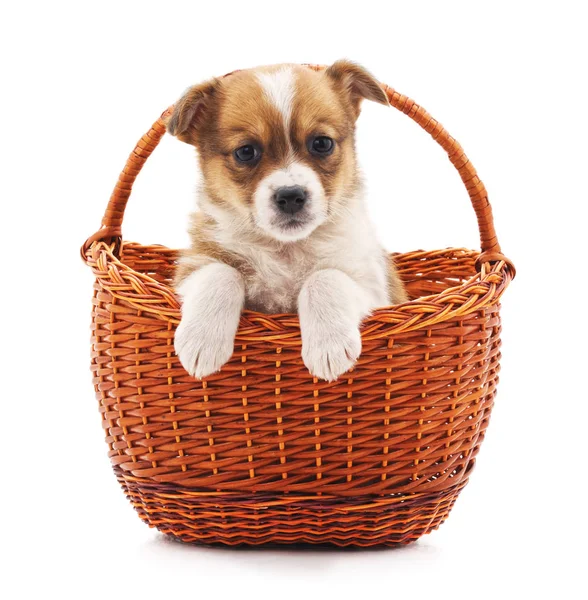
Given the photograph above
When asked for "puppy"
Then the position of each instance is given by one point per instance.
(283, 226)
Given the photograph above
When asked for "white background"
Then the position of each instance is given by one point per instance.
(81, 82)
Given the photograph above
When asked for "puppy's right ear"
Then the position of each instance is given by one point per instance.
(190, 111)
(357, 83)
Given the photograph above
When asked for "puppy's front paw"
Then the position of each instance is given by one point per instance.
(202, 347)
(330, 349)
(213, 298)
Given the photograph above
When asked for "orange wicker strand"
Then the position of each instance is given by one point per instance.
(263, 453)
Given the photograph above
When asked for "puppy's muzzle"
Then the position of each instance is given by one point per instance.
(290, 200)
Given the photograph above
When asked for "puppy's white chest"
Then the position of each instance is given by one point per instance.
(275, 281)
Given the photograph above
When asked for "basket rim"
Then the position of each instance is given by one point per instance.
(483, 288)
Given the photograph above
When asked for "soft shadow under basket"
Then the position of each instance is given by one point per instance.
(262, 452)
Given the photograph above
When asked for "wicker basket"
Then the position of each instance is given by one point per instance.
(262, 452)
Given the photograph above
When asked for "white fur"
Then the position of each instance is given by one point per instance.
(331, 306)
(333, 278)
(268, 216)
(278, 86)
(213, 298)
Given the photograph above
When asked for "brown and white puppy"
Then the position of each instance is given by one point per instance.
(282, 226)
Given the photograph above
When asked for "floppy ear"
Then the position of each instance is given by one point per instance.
(357, 83)
(190, 111)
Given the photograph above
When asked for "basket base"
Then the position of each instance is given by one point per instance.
(237, 519)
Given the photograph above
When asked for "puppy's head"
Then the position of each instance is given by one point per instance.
(276, 144)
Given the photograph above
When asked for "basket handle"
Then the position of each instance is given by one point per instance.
(110, 231)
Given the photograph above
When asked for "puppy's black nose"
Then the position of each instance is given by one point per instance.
(290, 199)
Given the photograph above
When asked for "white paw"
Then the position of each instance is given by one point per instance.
(213, 298)
(203, 347)
(330, 349)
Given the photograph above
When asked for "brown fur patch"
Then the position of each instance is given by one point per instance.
(320, 110)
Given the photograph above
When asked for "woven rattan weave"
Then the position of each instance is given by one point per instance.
(262, 452)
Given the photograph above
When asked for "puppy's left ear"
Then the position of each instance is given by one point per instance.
(357, 83)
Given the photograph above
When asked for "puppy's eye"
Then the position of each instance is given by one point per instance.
(321, 145)
(247, 153)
